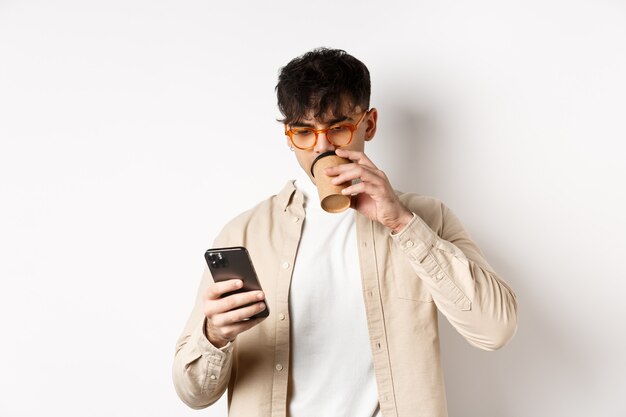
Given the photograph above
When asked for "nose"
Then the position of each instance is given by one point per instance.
(323, 144)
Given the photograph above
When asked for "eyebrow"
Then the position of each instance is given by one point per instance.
(329, 123)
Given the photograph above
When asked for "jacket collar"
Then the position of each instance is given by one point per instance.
(289, 194)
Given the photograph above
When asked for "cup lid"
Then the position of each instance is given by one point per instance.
(320, 156)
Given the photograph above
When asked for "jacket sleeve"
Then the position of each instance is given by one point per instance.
(201, 371)
(478, 303)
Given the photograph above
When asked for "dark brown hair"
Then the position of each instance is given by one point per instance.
(323, 81)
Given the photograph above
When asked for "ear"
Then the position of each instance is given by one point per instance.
(287, 141)
(371, 123)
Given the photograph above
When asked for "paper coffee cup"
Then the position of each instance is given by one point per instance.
(331, 198)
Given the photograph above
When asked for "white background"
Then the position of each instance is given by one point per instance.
(132, 130)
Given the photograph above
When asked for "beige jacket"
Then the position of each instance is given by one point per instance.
(432, 265)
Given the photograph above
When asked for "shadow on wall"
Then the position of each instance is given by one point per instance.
(405, 148)
(512, 381)
(517, 378)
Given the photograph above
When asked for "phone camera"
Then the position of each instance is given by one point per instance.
(218, 260)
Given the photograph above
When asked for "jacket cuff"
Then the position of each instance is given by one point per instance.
(416, 238)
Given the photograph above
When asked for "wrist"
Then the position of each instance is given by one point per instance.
(404, 219)
(215, 341)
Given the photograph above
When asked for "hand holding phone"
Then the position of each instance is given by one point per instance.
(235, 302)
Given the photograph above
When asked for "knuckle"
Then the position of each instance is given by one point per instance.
(209, 291)
(225, 323)
(230, 303)
(214, 322)
(215, 290)
(243, 315)
(235, 316)
(209, 308)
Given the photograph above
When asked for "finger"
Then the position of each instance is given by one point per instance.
(238, 315)
(340, 169)
(362, 188)
(239, 300)
(355, 156)
(216, 290)
(232, 302)
(230, 332)
(363, 173)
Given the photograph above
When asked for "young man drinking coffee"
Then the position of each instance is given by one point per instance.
(353, 295)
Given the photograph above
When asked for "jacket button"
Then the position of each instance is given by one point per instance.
(279, 367)
(285, 265)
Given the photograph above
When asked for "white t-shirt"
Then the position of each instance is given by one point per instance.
(331, 357)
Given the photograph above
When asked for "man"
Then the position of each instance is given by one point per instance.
(353, 296)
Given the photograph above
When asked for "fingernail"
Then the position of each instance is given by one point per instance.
(259, 296)
(239, 284)
(261, 306)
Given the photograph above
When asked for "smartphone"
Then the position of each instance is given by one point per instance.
(235, 263)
